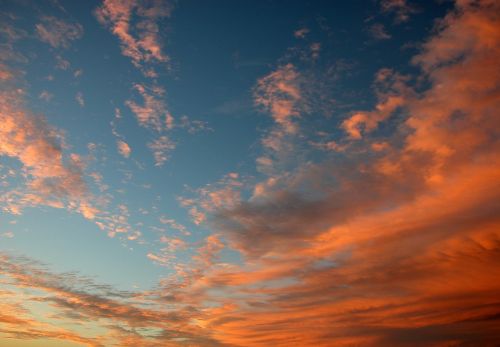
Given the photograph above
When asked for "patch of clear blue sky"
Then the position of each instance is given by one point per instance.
(218, 50)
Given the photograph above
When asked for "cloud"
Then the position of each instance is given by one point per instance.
(192, 126)
(279, 94)
(174, 225)
(161, 148)
(115, 221)
(392, 92)
(78, 73)
(8, 234)
(378, 31)
(315, 50)
(45, 96)
(50, 177)
(391, 254)
(301, 33)
(123, 148)
(329, 146)
(297, 99)
(224, 194)
(166, 255)
(73, 299)
(140, 38)
(61, 63)
(46, 173)
(153, 114)
(79, 99)
(368, 121)
(57, 32)
(395, 243)
(5, 74)
(137, 25)
(88, 211)
(401, 8)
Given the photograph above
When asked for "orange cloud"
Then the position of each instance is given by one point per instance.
(398, 248)
(392, 93)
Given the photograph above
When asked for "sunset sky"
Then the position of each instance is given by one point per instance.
(249, 173)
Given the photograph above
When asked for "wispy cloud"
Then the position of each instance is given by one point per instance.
(58, 33)
(45, 96)
(293, 97)
(125, 316)
(51, 176)
(140, 39)
(61, 63)
(161, 148)
(224, 194)
(152, 113)
(401, 8)
(279, 94)
(378, 32)
(123, 148)
(78, 73)
(79, 98)
(301, 33)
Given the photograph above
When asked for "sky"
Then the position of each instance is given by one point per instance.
(249, 173)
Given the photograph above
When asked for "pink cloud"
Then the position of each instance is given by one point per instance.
(161, 148)
(224, 194)
(140, 40)
(79, 98)
(379, 32)
(279, 94)
(5, 73)
(123, 148)
(401, 8)
(152, 111)
(57, 32)
(51, 177)
(301, 33)
(45, 96)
